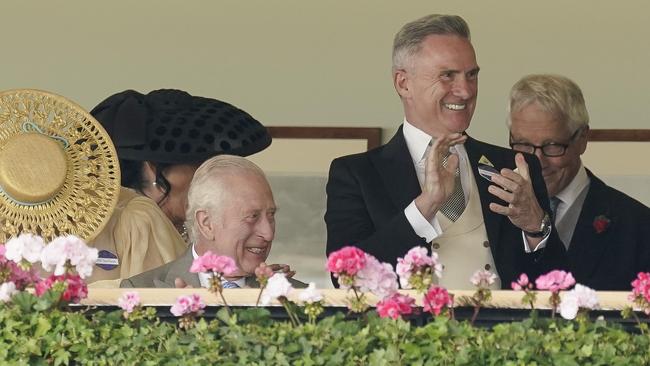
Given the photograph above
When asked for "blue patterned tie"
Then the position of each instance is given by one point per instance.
(554, 203)
(230, 284)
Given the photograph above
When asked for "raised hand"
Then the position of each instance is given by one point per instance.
(438, 180)
(516, 188)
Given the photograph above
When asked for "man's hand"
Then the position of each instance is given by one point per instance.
(282, 268)
(516, 189)
(179, 283)
(438, 180)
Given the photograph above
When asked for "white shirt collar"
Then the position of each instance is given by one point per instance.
(569, 194)
(204, 278)
(417, 141)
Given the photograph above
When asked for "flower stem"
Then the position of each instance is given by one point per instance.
(259, 296)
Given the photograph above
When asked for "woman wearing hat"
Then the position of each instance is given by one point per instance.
(161, 138)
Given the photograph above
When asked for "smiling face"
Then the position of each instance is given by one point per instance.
(440, 84)
(533, 125)
(244, 227)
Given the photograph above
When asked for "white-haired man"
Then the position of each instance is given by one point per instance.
(606, 232)
(230, 212)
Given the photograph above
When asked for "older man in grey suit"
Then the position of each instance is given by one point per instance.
(230, 212)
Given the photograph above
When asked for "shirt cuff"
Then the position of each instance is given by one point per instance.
(541, 245)
(422, 227)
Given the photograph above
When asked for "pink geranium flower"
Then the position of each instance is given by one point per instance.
(129, 301)
(483, 278)
(188, 305)
(75, 287)
(555, 281)
(395, 305)
(346, 261)
(521, 283)
(376, 277)
(417, 261)
(210, 262)
(436, 299)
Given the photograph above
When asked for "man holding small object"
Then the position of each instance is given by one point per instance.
(475, 204)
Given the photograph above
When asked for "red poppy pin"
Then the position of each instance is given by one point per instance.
(601, 223)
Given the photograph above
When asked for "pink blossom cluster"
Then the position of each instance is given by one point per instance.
(395, 306)
(376, 277)
(522, 283)
(188, 305)
(75, 287)
(346, 261)
(129, 301)
(210, 262)
(10, 271)
(555, 281)
(581, 297)
(436, 299)
(263, 272)
(641, 290)
(417, 260)
(69, 249)
(483, 278)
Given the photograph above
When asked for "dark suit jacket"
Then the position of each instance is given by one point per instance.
(368, 192)
(164, 276)
(610, 260)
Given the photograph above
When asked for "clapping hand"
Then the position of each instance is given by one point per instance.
(439, 180)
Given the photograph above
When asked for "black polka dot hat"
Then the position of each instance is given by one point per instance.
(174, 127)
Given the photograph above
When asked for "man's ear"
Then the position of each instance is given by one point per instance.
(582, 139)
(205, 224)
(400, 81)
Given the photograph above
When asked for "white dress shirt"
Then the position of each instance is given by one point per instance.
(204, 278)
(571, 192)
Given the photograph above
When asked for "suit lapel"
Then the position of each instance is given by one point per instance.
(181, 269)
(475, 150)
(396, 169)
(587, 246)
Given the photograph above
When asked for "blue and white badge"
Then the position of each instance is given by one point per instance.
(107, 260)
(487, 171)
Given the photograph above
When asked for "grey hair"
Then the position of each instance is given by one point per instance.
(207, 189)
(556, 94)
(408, 41)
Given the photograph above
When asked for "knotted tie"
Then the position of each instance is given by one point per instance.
(455, 204)
(554, 203)
(230, 284)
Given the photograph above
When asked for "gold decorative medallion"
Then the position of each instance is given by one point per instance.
(59, 172)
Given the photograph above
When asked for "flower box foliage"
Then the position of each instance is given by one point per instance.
(37, 328)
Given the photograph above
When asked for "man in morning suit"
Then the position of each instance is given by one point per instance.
(230, 212)
(432, 183)
(607, 233)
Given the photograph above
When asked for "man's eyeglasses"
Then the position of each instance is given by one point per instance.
(550, 149)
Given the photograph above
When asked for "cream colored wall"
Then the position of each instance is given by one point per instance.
(322, 63)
